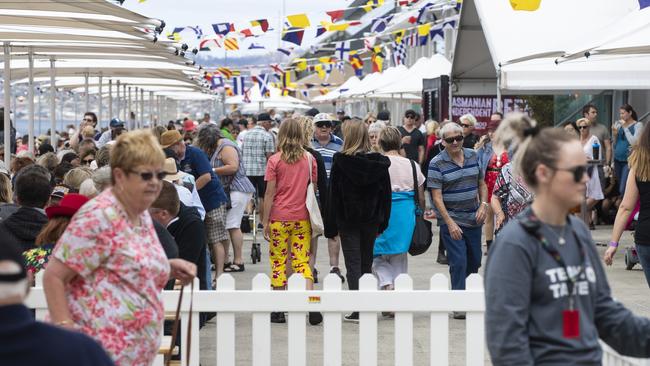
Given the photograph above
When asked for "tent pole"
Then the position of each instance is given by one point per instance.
(30, 98)
(141, 107)
(101, 100)
(136, 106)
(126, 105)
(110, 99)
(499, 102)
(128, 112)
(151, 119)
(7, 101)
(53, 139)
(117, 109)
(451, 95)
(87, 92)
(160, 118)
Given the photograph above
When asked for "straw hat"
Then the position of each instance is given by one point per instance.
(168, 138)
(172, 171)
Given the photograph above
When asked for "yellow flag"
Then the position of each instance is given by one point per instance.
(525, 5)
(301, 64)
(423, 30)
(327, 60)
(298, 20)
(334, 27)
(372, 4)
(320, 70)
(398, 35)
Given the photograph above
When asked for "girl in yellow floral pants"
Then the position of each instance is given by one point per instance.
(294, 237)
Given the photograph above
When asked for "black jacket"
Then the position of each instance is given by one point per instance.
(22, 227)
(359, 192)
(190, 236)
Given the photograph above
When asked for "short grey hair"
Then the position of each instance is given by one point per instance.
(376, 127)
(469, 118)
(449, 128)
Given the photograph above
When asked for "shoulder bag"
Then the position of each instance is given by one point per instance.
(422, 236)
(315, 218)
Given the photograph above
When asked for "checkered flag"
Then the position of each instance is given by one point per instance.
(399, 53)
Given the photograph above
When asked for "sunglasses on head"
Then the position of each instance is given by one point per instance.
(579, 171)
(583, 127)
(451, 140)
(147, 176)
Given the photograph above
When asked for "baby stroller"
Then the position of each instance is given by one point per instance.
(631, 256)
(256, 251)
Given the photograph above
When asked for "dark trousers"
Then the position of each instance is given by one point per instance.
(358, 244)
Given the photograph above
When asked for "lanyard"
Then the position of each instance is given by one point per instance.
(532, 225)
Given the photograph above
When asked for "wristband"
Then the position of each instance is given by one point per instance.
(613, 244)
(484, 203)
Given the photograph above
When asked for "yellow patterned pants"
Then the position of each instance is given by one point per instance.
(289, 237)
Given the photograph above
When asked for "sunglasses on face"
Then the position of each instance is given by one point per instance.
(463, 125)
(147, 176)
(324, 124)
(583, 127)
(451, 140)
(410, 116)
(579, 172)
(87, 161)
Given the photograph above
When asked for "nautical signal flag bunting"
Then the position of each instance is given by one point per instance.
(525, 5)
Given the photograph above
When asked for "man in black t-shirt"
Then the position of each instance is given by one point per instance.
(412, 138)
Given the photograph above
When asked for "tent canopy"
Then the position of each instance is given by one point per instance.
(492, 34)
(336, 93)
(424, 68)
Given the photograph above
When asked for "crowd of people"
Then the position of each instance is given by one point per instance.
(112, 217)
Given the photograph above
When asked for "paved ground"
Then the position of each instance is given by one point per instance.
(628, 286)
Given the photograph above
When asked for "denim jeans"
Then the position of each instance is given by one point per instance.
(464, 255)
(644, 258)
(621, 170)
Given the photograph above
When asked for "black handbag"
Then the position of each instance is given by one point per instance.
(422, 236)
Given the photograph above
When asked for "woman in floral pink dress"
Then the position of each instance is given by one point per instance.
(107, 271)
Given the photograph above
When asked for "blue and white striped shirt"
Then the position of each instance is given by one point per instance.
(327, 152)
(459, 185)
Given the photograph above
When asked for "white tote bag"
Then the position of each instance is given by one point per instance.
(311, 202)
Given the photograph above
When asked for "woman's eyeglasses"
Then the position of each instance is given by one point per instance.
(465, 125)
(451, 140)
(87, 161)
(579, 172)
(147, 176)
(583, 127)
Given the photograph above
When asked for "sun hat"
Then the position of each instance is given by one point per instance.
(69, 205)
(172, 170)
(168, 138)
(322, 117)
(189, 125)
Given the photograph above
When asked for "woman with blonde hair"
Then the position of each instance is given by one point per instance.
(286, 219)
(360, 201)
(370, 118)
(75, 177)
(111, 248)
(637, 191)
(373, 135)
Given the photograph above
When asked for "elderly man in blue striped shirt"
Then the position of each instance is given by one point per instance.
(459, 195)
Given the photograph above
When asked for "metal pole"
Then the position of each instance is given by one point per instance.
(30, 71)
(126, 106)
(128, 113)
(75, 101)
(53, 138)
(499, 102)
(118, 102)
(101, 100)
(7, 101)
(87, 93)
(151, 119)
(135, 109)
(141, 107)
(110, 99)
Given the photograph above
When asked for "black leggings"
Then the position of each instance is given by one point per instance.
(358, 244)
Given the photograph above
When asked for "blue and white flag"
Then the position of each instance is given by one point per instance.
(263, 82)
(379, 24)
(342, 50)
(238, 85)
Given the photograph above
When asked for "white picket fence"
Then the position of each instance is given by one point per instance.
(333, 302)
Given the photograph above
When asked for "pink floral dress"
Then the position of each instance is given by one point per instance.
(121, 271)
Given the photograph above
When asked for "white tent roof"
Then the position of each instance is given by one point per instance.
(492, 33)
(256, 97)
(336, 93)
(387, 77)
(424, 68)
(361, 86)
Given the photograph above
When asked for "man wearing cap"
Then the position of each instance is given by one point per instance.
(257, 146)
(194, 161)
(26, 342)
(328, 144)
(116, 129)
(33, 189)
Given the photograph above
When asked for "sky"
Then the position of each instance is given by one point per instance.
(204, 13)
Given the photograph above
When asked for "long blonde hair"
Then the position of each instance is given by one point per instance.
(307, 130)
(355, 137)
(639, 160)
(290, 141)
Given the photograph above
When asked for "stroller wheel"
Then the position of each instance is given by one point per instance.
(629, 261)
(255, 253)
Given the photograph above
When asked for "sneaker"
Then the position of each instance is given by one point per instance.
(337, 272)
(353, 318)
(314, 274)
(278, 318)
(442, 259)
(315, 318)
(459, 315)
(388, 314)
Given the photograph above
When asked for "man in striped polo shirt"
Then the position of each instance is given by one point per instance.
(459, 195)
(328, 144)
